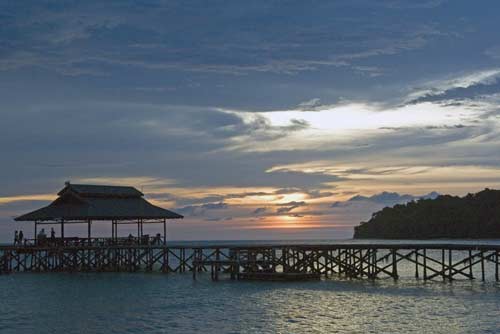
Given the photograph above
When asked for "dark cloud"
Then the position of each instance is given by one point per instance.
(287, 207)
(259, 211)
(200, 210)
(385, 198)
(232, 38)
(428, 127)
(218, 219)
(311, 105)
(457, 94)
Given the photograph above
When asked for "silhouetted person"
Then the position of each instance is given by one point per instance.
(16, 238)
(21, 237)
(52, 235)
(42, 237)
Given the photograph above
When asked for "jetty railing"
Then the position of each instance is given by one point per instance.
(101, 242)
(372, 261)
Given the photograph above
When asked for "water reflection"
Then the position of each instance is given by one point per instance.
(134, 303)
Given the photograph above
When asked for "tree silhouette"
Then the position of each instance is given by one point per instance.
(473, 216)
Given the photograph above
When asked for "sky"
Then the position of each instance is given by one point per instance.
(253, 119)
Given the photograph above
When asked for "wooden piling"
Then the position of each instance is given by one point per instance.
(416, 263)
(425, 264)
(450, 275)
(482, 266)
(496, 266)
(394, 264)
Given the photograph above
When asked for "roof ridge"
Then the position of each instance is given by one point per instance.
(101, 190)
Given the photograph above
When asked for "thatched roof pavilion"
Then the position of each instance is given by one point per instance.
(79, 203)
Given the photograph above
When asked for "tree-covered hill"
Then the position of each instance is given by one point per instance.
(473, 216)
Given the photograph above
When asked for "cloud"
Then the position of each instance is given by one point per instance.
(287, 207)
(493, 52)
(200, 210)
(310, 193)
(385, 198)
(310, 105)
(87, 39)
(259, 211)
(469, 86)
(360, 208)
(26, 198)
(219, 219)
(458, 94)
(399, 4)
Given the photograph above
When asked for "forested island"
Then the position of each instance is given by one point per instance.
(474, 216)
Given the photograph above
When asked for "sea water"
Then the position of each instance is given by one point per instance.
(175, 303)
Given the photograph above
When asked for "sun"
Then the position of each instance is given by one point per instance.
(289, 219)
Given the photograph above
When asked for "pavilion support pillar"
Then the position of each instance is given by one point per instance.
(114, 225)
(89, 232)
(165, 232)
(138, 231)
(36, 232)
(62, 230)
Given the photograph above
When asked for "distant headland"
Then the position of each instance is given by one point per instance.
(474, 216)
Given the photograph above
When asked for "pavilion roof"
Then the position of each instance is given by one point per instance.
(88, 190)
(98, 202)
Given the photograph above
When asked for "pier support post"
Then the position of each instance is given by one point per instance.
(482, 266)
(425, 264)
(374, 264)
(470, 264)
(496, 265)
(443, 269)
(450, 260)
(394, 265)
(416, 263)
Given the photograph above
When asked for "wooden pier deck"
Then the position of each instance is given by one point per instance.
(426, 261)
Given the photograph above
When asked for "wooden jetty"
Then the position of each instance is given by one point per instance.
(270, 262)
(88, 204)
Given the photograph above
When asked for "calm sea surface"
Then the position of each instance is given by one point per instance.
(158, 303)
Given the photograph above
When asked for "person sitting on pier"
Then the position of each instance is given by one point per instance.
(20, 238)
(42, 237)
(16, 237)
(130, 238)
(157, 239)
